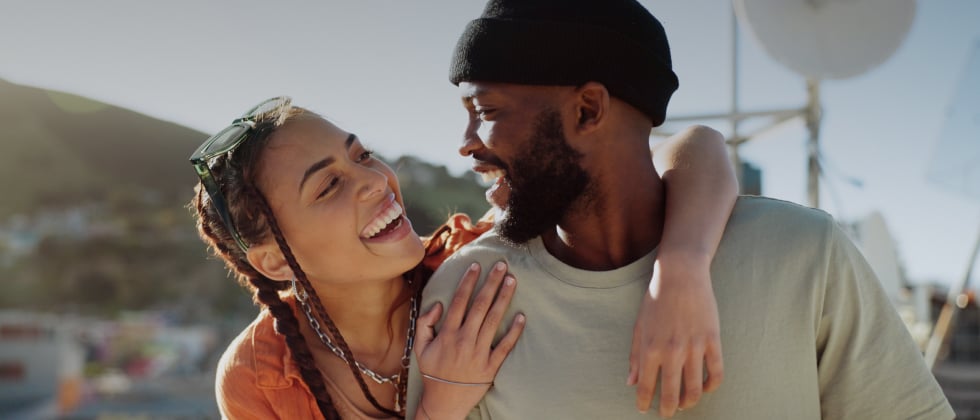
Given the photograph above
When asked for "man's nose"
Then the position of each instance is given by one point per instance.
(471, 141)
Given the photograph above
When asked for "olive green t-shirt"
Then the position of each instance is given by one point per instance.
(806, 330)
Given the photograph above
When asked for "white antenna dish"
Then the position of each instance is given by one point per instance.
(828, 39)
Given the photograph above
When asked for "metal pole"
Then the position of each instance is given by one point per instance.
(813, 115)
(733, 141)
(947, 317)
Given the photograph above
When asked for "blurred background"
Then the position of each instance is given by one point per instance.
(112, 307)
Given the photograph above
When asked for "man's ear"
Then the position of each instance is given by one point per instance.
(268, 260)
(592, 105)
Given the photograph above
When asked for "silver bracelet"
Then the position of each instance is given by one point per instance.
(446, 381)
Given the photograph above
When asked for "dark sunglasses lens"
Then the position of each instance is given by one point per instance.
(222, 142)
(267, 106)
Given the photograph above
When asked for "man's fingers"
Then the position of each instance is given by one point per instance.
(693, 379)
(715, 365)
(457, 308)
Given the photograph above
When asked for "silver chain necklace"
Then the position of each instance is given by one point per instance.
(394, 380)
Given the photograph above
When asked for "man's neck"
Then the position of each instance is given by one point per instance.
(619, 222)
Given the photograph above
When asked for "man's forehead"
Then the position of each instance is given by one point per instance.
(499, 90)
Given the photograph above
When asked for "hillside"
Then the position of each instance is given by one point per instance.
(57, 148)
(60, 149)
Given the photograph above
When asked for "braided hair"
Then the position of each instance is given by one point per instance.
(255, 221)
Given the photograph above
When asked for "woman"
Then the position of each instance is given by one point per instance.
(313, 225)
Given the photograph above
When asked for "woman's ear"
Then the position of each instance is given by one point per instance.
(268, 260)
(592, 104)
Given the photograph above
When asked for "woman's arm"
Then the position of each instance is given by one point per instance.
(677, 330)
(701, 190)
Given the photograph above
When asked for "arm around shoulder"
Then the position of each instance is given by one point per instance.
(677, 330)
(701, 190)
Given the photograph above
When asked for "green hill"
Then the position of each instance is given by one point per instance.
(57, 149)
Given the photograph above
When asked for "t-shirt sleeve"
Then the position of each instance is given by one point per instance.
(869, 366)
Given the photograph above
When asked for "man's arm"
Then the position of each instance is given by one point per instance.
(677, 330)
(869, 366)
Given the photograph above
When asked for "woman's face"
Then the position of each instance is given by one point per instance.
(339, 208)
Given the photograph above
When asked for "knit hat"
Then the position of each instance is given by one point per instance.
(569, 42)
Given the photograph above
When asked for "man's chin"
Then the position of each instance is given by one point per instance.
(519, 229)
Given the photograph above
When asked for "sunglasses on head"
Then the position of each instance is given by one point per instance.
(226, 141)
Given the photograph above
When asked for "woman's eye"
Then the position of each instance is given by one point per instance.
(330, 187)
(366, 155)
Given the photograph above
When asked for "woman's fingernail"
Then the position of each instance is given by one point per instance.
(474, 267)
(509, 281)
(500, 266)
(521, 318)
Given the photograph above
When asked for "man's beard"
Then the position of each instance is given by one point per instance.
(545, 182)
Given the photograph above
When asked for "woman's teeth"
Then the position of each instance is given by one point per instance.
(492, 176)
(379, 224)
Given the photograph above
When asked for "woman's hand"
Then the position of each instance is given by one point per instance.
(459, 364)
(677, 335)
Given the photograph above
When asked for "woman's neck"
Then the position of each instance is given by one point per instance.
(372, 317)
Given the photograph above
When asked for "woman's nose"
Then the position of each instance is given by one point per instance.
(373, 184)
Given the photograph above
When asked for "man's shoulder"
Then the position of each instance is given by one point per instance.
(773, 208)
(773, 227)
(777, 216)
(485, 250)
(488, 247)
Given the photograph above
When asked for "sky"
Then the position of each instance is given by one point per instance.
(379, 68)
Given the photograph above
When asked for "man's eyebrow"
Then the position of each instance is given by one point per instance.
(323, 163)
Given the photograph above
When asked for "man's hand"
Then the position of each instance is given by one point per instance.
(677, 336)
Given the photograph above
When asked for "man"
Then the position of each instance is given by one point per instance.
(562, 95)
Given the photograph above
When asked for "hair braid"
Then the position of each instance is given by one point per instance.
(287, 325)
(266, 293)
(317, 304)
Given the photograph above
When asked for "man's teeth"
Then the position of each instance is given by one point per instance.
(393, 213)
(492, 175)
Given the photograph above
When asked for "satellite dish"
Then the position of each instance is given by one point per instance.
(828, 39)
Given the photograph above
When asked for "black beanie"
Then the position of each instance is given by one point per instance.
(569, 42)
